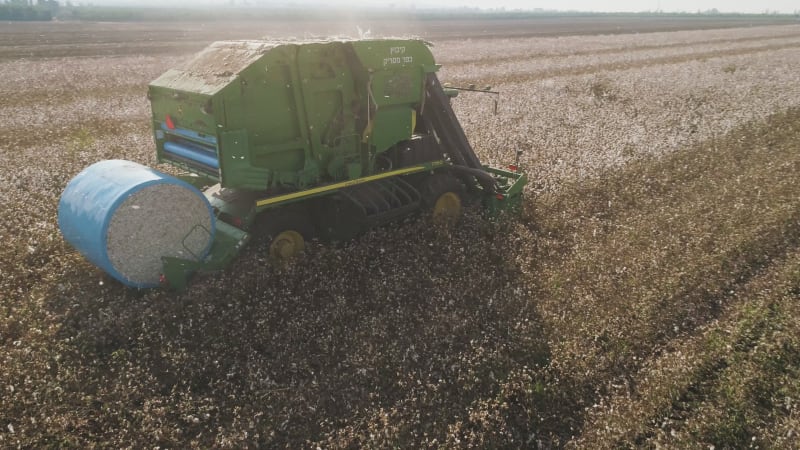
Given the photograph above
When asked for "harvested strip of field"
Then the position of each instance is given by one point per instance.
(627, 268)
(31, 84)
(694, 242)
(79, 109)
(752, 343)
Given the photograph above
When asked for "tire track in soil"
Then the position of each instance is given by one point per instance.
(782, 431)
(738, 268)
(686, 372)
(94, 50)
(512, 76)
(38, 97)
(97, 129)
(702, 377)
(768, 301)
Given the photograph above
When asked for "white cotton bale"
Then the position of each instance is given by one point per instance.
(124, 217)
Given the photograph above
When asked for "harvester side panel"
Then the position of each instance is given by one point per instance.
(394, 85)
(329, 99)
(287, 115)
(266, 105)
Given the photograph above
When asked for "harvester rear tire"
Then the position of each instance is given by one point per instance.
(442, 196)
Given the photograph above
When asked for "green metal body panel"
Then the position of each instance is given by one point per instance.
(285, 115)
(228, 242)
(510, 185)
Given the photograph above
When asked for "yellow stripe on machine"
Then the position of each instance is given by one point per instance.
(348, 183)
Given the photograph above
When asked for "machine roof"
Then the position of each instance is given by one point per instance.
(215, 66)
(218, 64)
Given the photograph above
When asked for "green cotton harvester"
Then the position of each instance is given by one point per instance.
(296, 140)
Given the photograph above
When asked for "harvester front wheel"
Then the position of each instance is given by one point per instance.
(442, 195)
(287, 245)
(286, 233)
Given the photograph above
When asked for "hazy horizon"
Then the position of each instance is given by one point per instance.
(735, 6)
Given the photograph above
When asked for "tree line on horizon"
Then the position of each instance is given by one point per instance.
(47, 10)
(27, 10)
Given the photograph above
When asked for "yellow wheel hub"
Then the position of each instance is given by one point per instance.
(447, 209)
(287, 245)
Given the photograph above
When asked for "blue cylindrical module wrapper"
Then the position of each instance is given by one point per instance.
(124, 217)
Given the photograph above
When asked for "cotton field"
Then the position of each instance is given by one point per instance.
(647, 296)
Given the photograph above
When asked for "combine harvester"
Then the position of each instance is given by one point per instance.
(297, 140)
